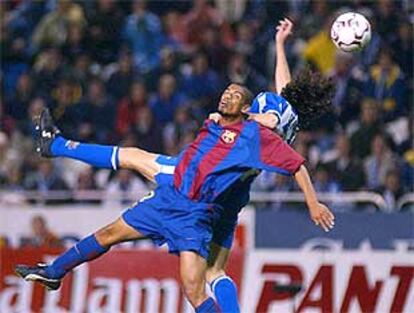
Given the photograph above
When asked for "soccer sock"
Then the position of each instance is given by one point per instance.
(87, 249)
(225, 291)
(96, 155)
(208, 306)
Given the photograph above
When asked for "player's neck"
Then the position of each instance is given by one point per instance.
(228, 120)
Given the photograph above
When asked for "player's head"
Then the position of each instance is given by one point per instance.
(310, 94)
(235, 100)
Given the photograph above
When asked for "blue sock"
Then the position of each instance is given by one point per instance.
(85, 250)
(96, 155)
(208, 306)
(225, 291)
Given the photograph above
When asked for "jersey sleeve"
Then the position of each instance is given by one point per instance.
(268, 102)
(271, 153)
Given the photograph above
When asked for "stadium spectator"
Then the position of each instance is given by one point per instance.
(64, 100)
(26, 126)
(21, 21)
(319, 50)
(175, 31)
(392, 189)
(386, 85)
(175, 133)
(7, 123)
(232, 10)
(121, 79)
(128, 107)
(142, 30)
(86, 180)
(213, 47)
(85, 183)
(82, 69)
(48, 69)
(239, 71)
(44, 179)
(379, 162)
(166, 101)
(123, 189)
(403, 43)
(312, 23)
(369, 54)
(147, 130)
(348, 91)
(75, 43)
(7, 157)
(41, 235)
(15, 61)
(52, 29)
(104, 28)
(202, 16)
(386, 18)
(4, 243)
(18, 104)
(347, 170)
(323, 181)
(368, 127)
(98, 110)
(245, 39)
(120, 42)
(169, 64)
(267, 181)
(203, 83)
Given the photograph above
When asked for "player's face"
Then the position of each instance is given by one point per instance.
(232, 101)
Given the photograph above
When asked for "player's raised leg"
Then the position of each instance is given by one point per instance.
(221, 284)
(192, 272)
(85, 250)
(51, 143)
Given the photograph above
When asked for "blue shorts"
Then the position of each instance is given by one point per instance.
(225, 227)
(166, 216)
(166, 174)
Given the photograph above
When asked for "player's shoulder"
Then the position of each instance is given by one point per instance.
(268, 100)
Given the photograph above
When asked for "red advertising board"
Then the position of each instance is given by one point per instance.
(120, 281)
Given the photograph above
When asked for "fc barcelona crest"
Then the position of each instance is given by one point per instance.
(228, 136)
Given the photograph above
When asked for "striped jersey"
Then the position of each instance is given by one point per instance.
(269, 102)
(220, 155)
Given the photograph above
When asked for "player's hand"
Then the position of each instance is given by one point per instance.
(268, 120)
(215, 117)
(322, 216)
(283, 30)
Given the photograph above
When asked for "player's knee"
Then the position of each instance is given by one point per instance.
(126, 155)
(111, 234)
(106, 237)
(213, 273)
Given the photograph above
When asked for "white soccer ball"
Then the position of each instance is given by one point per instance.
(351, 32)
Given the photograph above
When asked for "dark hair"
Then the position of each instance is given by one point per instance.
(310, 94)
(247, 94)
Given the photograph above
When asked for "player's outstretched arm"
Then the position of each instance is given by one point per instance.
(319, 212)
(282, 73)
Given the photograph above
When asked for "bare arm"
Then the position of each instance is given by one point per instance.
(319, 212)
(282, 73)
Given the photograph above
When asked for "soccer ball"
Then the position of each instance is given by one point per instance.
(351, 32)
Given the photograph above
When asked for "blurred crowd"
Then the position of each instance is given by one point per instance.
(146, 74)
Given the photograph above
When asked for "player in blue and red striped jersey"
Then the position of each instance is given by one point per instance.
(183, 214)
(150, 164)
